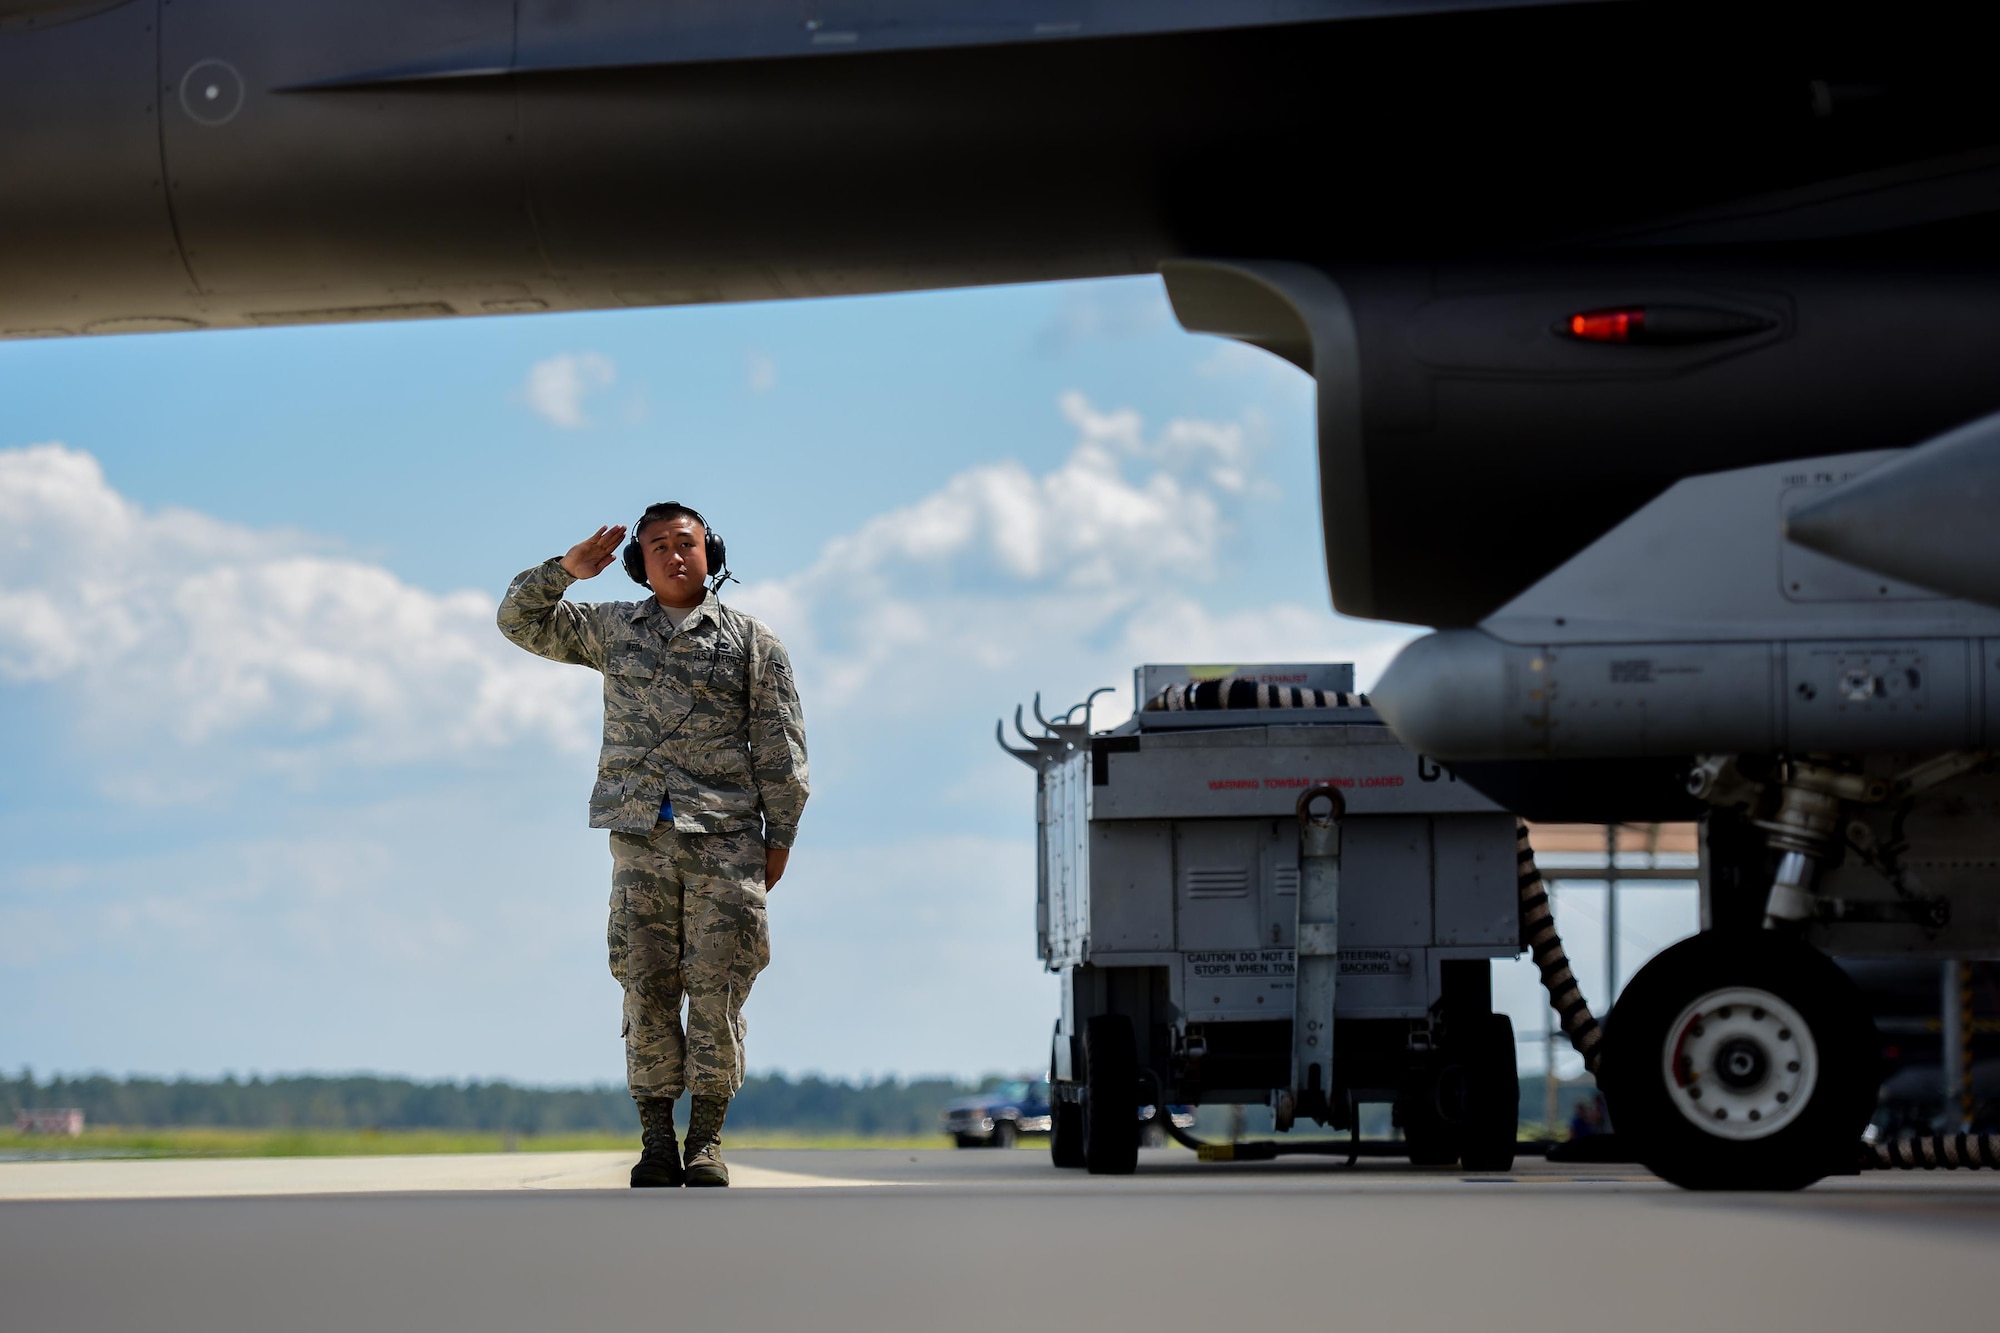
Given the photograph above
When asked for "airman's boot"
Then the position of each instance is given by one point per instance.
(659, 1164)
(704, 1146)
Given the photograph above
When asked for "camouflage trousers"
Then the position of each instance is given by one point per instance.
(687, 921)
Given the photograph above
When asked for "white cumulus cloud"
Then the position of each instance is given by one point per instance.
(1003, 577)
(173, 622)
(557, 387)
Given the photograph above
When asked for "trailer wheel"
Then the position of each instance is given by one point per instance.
(1741, 1061)
(1430, 1145)
(1065, 1129)
(1111, 1096)
(1492, 1096)
(1065, 1116)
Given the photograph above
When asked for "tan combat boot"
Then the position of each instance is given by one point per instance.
(704, 1146)
(659, 1165)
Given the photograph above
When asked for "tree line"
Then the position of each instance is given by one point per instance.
(364, 1101)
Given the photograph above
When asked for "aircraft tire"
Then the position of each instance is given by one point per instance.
(1741, 1061)
(1111, 1096)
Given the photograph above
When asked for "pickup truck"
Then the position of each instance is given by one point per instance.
(999, 1116)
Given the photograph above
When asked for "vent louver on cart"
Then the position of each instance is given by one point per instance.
(1218, 881)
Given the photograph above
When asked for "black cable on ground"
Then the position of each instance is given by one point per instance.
(1538, 936)
(1163, 1117)
(1352, 1147)
(1929, 1152)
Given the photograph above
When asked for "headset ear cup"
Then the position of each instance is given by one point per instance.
(635, 564)
(718, 554)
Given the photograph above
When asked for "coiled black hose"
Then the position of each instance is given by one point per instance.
(1538, 936)
(1929, 1152)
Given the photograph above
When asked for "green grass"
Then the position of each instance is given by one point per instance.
(113, 1141)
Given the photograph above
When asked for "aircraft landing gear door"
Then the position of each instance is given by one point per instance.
(1318, 958)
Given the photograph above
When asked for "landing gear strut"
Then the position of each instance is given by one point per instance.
(1744, 1059)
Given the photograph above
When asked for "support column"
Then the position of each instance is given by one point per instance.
(1551, 1104)
(1317, 946)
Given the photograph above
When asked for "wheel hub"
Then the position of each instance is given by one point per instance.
(1740, 1063)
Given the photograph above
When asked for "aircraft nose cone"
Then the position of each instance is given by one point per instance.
(1445, 695)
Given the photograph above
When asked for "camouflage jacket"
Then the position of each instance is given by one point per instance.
(706, 715)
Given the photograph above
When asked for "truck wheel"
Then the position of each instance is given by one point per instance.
(1741, 1061)
(1065, 1118)
(1065, 1130)
(1111, 1096)
(1003, 1134)
(1492, 1096)
(1430, 1145)
(1431, 1093)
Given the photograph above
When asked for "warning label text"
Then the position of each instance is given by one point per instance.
(1241, 963)
(1373, 962)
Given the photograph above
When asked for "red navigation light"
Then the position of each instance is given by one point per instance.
(1663, 325)
(1609, 326)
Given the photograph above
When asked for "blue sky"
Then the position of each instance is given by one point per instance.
(275, 796)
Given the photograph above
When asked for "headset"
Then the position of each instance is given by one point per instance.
(712, 544)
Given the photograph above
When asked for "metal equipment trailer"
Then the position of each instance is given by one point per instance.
(1258, 896)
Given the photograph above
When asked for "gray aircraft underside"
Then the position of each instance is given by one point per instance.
(1413, 201)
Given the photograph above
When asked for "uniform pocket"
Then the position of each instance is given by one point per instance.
(760, 942)
(618, 935)
(717, 672)
(750, 936)
(632, 657)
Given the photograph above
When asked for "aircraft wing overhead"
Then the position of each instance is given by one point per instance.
(1819, 194)
(550, 36)
(237, 163)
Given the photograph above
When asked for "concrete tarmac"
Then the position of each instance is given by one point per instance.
(976, 1241)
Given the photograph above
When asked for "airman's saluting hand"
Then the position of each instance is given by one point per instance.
(587, 559)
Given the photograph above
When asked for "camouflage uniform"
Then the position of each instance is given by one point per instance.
(705, 717)
(687, 917)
